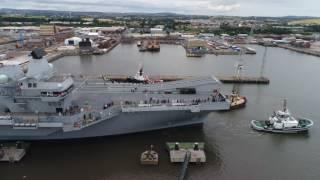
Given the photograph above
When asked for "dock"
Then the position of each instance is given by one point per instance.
(12, 152)
(165, 78)
(185, 153)
(223, 52)
(301, 50)
(52, 56)
(243, 80)
(178, 152)
(223, 79)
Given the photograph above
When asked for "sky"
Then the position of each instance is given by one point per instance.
(197, 7)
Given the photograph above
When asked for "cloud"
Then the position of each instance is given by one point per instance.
(201, 7)
(178, 6)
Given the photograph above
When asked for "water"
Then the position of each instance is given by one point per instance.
(234, 151)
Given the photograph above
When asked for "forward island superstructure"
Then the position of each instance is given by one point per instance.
(36, 104)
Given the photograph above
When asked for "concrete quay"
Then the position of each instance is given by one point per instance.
(11, 154)
(55, 55)
(243, 80)
(301, 50)
(222, 52)
(223, 79)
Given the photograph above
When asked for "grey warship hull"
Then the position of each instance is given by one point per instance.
(125, 123)
(38, 105)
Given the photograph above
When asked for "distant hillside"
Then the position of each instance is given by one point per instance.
(33, 12)
(53, 13)
(313, 21)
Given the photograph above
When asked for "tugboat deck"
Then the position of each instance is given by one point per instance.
(304, 125)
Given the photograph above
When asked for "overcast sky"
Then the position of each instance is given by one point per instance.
(201, 7)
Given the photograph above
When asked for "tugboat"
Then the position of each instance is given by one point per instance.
(282, 122)
(140, 77)
(237, 101)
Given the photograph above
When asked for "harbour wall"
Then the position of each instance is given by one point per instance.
(301, 50)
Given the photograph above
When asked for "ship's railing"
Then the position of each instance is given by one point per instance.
(194, 105)
(30, 120)
(152, 102)
(6, 120)
(89, 118)
(21, 123)
(164, 107)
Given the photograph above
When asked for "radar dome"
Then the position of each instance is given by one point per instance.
(3, 78)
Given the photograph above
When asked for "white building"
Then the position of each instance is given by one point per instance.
(74, 41)
(156, 30)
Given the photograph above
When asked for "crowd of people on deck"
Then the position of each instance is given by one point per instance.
(211, 98)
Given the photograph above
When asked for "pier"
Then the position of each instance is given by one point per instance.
(185, 153)
(243, 80)
(223, 79)
(301, 50)
(13, 152)
(55, 55)
(222, 52)
(162, 40)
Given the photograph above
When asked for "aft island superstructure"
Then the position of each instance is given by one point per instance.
(36, 104)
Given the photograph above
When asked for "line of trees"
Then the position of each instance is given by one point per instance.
(23, 19)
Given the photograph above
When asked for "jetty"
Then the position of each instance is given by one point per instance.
(243, 80)
(301, 50)
(178, 152)
(223, 79)
(12, 152)
(185, 153)
(222, 52)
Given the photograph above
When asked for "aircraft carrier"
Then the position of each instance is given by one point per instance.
(37, 104)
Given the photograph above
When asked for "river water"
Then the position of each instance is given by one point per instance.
(233, 150)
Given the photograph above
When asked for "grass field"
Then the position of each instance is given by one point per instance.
(306, 21)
